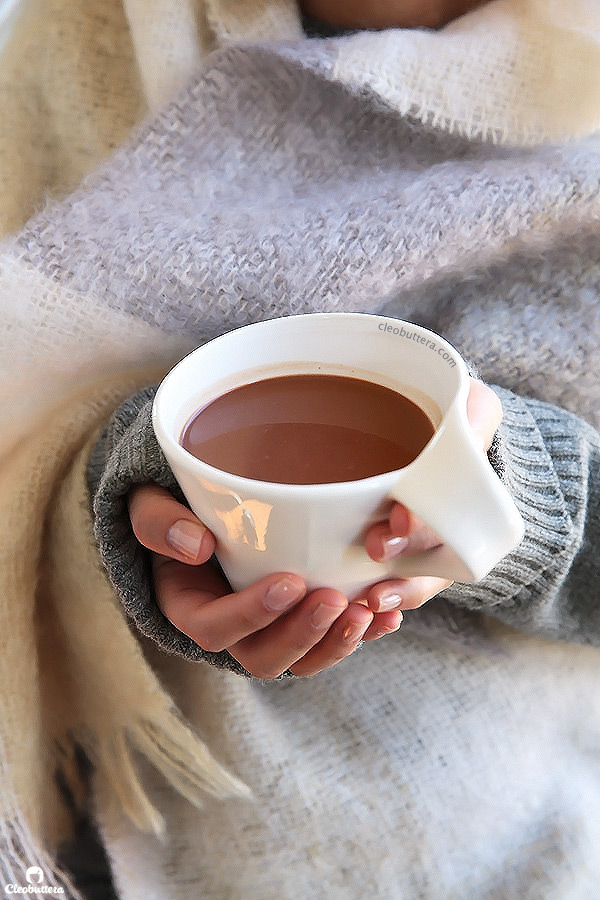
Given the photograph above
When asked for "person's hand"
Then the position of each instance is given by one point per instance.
(275, 624)
(388, 13)
(270, 627)
(403, 533)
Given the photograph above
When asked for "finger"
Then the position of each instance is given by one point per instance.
(484, 411)
(353, 626)
(383, 623)
(405, 593)
(290, 638)
(164, 525)
(383, 542)
(338, 643)
(191, 599)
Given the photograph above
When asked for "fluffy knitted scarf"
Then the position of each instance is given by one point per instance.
(401, 171)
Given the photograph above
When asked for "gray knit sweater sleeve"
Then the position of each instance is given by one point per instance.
(549, 459)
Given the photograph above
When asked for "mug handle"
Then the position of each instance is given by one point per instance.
(452, 487)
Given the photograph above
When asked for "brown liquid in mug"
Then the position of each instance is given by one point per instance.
(308, 429)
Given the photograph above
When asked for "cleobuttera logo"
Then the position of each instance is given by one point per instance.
(35, 878)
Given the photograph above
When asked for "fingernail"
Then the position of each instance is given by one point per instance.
(185, 537)
(392, 546)
(324, 615)
(385, 629)
(283, 594)
(353, 633)
(389, 600)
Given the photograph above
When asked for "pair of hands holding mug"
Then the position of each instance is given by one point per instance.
(275, 624)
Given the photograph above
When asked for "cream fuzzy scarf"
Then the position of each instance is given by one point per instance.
(74, 79)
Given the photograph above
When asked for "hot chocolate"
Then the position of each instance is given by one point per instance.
(308, 429)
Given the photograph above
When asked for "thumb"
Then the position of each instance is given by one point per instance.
(484, 411)
(164, 525)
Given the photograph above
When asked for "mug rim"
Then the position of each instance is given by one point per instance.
(183, 457)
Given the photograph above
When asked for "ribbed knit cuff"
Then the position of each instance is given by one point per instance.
(546, 461)
(126, 454)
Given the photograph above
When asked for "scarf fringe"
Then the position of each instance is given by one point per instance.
(183, 760)
(181, 757)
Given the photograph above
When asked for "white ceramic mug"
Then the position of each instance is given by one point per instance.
(317, 530)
